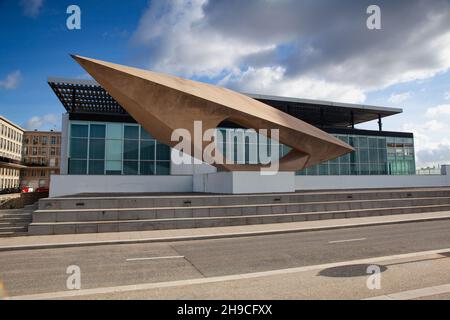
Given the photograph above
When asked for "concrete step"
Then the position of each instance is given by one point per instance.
(14, 223)
(193, 200)
(13, 229)
(229, 210)
(39, 228)
(16, 219)
(25, 216)
(12, 234)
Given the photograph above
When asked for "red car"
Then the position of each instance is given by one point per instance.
(26, 189)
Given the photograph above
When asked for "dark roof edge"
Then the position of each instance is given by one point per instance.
(390, 110)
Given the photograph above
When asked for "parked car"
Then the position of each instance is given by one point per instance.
(26, 189)
(10, 190)
(42, 189)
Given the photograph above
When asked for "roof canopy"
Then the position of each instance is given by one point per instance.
(88, 97)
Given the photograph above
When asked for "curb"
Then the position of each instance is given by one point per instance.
(214, 236)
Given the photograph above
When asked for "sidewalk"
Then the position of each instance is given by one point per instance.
(91, 239)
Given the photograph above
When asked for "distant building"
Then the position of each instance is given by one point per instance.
(41, 156)
(11, 137)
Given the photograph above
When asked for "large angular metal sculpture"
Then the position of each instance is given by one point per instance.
(163, 103)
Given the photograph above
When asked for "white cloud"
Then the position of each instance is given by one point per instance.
(432, 141)
(438, 111)
(31, 8)
(287, 49)
(273, 81)
(183, 46)
(397, 98)
(11, 81)
(46, 122)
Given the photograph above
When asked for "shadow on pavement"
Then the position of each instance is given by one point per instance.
(356, 270)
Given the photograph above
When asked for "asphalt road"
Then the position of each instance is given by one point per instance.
(39, 271)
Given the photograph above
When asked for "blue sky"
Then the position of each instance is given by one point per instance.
(307, 49)
(39, 46)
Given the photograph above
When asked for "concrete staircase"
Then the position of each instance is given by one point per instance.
(15, 222)
(91, 214)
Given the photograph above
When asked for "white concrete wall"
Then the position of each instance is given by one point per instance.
(236, 182)
(62, 185)
(219, 182)
(188, 167)
(249, 182)
(239, 182)
(367, 182)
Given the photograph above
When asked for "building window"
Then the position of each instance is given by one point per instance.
(372, 156)
(115, 149)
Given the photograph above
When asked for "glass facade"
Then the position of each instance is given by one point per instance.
(246, 144)
(373, 155)
(98, 148)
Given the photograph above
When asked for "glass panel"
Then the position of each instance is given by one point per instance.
(114, 131)
(334, 169)
(354, 169)
(382, 155)
(147, 167)
(163, 167)
(113, 150)
(373, 169)
(354, 157)
(96, 167)
(344, 169)
(97, 131)
(97, 149)
(78, 148)
(335, 161)
(373, 143)
(114, 166)
(79, 130)
(364, 155)
(373, 154)
(130, 167)
(131, 149)
(345, 158)
(131, 132)
(148, 150)
(364, 169)
(362, 142)
(163, 152)
(353, 141)
(113, 173)
(77, 166)
(145, 135)
(323, 169)
(312, 171)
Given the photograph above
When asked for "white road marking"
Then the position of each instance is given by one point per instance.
(348, 240)
(414, 294)
(178, 283)
(155, 258)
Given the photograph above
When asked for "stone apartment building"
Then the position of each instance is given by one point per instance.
(41, 156)
(11, 137)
